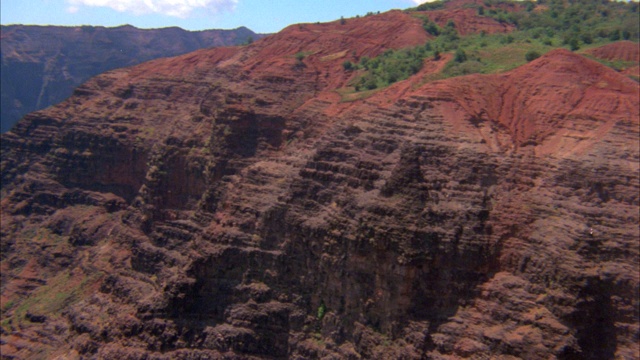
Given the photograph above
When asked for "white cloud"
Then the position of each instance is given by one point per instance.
(177, 8)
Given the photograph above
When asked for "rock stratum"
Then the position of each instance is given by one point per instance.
(227, 204)
(42, 65)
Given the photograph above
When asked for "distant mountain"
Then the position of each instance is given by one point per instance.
(41, 65)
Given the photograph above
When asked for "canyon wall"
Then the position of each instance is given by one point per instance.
(229, 204)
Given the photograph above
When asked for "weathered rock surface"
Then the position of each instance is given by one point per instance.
(225, 204)
(41, 65)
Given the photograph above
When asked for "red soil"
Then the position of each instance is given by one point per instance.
(534, 100)
(468, 21)
(621, 50)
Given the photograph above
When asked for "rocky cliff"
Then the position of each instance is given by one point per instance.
(41, 65)
(229, 204)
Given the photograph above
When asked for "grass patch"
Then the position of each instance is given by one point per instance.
(49, 300)
(617, 65)
(349, 94)
(334, 56)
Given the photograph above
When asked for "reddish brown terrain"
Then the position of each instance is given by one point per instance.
(625, 51)
(621, 50)
(41, 65)
(226, 204)
(467, 21)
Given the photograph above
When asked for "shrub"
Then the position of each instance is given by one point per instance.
(364, 61)
(507, 39)
(531, 55)
(457, 69)
(615, 35)
(322, 310)
(431, 27)
(574, 44)
(347, 65)
(586, 38)
(460, 56)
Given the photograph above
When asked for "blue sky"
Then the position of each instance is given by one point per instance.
(258, 15)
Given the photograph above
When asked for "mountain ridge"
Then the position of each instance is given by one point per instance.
(59, 58)
(232, 203)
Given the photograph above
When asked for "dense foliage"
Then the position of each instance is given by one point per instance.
(540, 27)
(390, 67)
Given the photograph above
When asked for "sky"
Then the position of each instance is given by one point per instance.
(262, 16)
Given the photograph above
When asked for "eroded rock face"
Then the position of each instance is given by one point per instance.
(225, 204)
(41, 65)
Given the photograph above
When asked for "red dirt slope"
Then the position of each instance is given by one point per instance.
(621, 50)
(321, 49)
(534, 101)
(468, 21)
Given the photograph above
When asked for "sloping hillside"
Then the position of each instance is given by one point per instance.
(249, 203)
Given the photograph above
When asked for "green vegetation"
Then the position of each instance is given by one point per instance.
(531, 55)
(390, 67)
(322, 310)
(539, 27)
(300, 56)
(435, 5)
(49, 300)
